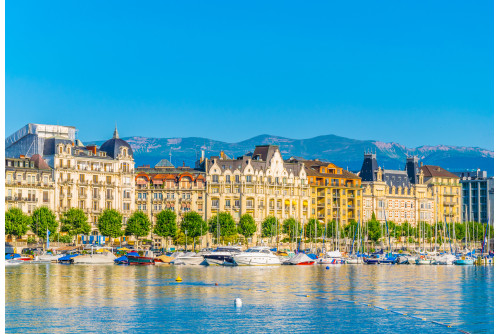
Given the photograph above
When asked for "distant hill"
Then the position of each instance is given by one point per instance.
(345, 152)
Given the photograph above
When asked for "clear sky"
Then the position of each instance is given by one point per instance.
(413, 72)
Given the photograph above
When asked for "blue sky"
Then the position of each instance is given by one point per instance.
(417, 73)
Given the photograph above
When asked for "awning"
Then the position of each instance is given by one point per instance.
(141, 181)
(157, 181)
(304, 203)
(287, 202)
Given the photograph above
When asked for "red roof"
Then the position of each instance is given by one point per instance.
(436, 171)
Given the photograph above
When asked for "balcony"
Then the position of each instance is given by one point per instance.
(62, 195)
(9, 198)
(82, 196)
(96, 197)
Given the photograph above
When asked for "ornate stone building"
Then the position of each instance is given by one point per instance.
(398, 196)
(85, 177)
(28, 184)
(259, 183)
(165, 187)
(336, 193)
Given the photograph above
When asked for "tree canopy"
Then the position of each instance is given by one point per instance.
(16, 222)
(110, 223)
(138, 225)
(41, 220)
(227, 227)
(269, 227)
(247, 226)
(313, 228)
(374, 229)
(74, 221)
(166, 224)
(291, 228)
(194, 224)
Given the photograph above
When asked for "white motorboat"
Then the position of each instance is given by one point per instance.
(334, 257)
(13, 262)
(444, 259)
(222, 256)
(257, 256)
(354, 260)
(190, 258)
(48, 257)
(422, 260)
(95, 258)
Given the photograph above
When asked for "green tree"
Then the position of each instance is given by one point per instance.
(109, 223)
(74, 221)
(291, 228)
(227, 226)
(247, 226)
(374, 230)
(41, 220)
(313, 228)
(350, 228)
(331, 228)
(166, 224)
(138, 225)
(194, 224)
(16, 222)
(269, 227)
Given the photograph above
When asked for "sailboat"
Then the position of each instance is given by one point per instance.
(354, 258)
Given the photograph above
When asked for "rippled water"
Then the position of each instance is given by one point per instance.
(51, 298)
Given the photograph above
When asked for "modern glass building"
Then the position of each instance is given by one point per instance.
(477, 196)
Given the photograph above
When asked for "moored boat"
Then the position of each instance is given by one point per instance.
(257, 256)
(222, 255)
(134, 258)
(299, 259)
(464, 261)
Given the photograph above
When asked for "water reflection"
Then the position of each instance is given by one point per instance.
(108, 298)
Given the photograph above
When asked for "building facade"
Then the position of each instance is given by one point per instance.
(29, 184)
(165, 187)
(85, 177)
(336, 193)
(477, 196)
(447, 190)
(398, 196)
(261, 184)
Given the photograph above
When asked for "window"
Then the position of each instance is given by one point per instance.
(215, 178)
(228, 178)
(82, 178)
(249, 178)
(228, 203)
(108, 179)
(95, 178)
(237, 203)
(237, 178)
(215, 203)
(126, 206)
(45, 196)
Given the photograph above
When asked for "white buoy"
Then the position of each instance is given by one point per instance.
(238, 302)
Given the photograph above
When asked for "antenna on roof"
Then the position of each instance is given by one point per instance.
(170, 154)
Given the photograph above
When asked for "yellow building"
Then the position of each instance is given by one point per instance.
(336, 193)
(447, 190)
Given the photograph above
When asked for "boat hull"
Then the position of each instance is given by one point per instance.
(256, 261)
(140, 260)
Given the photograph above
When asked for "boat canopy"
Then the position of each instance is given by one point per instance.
(133, 254)
(121, 259)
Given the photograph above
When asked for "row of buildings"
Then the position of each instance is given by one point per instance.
(47, 166)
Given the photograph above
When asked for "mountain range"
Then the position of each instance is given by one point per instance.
(344, 152)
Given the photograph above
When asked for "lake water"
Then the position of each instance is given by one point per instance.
(53, 298)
